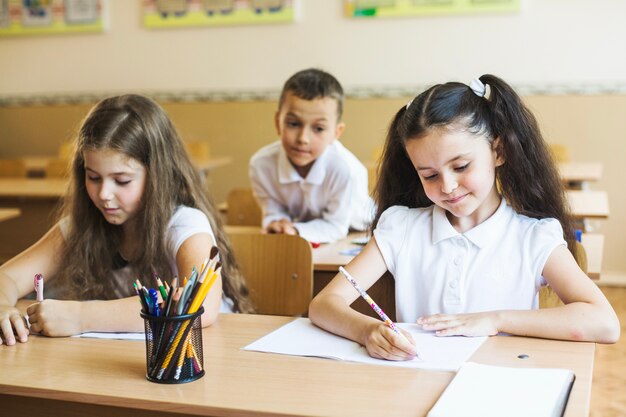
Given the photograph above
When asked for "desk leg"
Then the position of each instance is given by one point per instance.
(383, 292)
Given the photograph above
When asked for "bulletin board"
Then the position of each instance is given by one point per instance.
(188, 13)
(44, 17)
(403, 8)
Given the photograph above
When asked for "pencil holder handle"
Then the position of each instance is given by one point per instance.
(174, 348)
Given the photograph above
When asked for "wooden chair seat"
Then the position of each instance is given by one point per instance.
(278, 269)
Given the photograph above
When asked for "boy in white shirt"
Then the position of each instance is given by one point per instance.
(308, 183)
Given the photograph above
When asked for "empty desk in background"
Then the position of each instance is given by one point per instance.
(37, 199)
(577, 175)
(72, 376)
(588, 204)
(9, 213)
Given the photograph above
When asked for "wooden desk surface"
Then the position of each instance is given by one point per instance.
(9, 213)
(580, 171)
(106, 377)
(589, 204)
(33, 187)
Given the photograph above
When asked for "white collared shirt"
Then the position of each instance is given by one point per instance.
(494, 266)
(332, 198)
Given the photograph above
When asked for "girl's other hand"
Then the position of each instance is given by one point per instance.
(55, 318)
(384, 343)
(472, 324)
(12, 326)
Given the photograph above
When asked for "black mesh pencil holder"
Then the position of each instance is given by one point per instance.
(174, 348)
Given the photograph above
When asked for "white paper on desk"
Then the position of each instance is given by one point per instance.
(302, 338)
(118, 336)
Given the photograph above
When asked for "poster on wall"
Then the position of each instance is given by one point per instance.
(403, 8)
(187, 13)
(45, 17)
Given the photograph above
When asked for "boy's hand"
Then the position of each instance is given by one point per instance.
(471, 324)
(281, 226)
(55, 318)
(12, 324)
(384, 343)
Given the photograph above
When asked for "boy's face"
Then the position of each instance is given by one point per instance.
(306, 128)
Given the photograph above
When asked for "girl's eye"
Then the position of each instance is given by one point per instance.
(462, 168)
(430, 177)
(125, 182)
(93, 179)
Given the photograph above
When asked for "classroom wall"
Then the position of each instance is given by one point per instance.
(560, 54)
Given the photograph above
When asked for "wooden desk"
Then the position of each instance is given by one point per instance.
(206, 165)
(37, 199)
(578, 174)
(589, 204)
(73, 377)
(32, 188)
(594, 249)
(9, 213)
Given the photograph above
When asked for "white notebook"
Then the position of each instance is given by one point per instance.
(493, 391)
(302, 338)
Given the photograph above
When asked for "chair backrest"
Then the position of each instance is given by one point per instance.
(547, 296)
(278, 269)
(560, 152)
(242, 208)
(198, 150)
(12, 168)
(58, 168)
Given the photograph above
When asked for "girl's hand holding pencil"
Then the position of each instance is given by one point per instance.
(384, 340)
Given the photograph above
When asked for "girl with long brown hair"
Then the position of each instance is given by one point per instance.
(135, 207)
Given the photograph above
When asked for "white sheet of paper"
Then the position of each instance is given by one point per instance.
(119, 336)
(480, 390)
(302, 338)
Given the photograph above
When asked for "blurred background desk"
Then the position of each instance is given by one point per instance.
(9, 213)
(37, 200)
(589, 204)
(577, 175)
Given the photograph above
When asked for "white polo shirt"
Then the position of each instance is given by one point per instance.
(332, 198)
(496, 265)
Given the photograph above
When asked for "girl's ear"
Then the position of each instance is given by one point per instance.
(498, 148)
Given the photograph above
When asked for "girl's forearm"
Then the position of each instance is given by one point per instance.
(576, 321)
(120, 315)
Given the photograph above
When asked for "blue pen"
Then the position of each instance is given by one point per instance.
(154, 302)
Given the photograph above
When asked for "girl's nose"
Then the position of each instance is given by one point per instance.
(448, 184)
(105, 193)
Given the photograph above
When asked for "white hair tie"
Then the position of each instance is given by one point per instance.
(480, 89)
(409, 103)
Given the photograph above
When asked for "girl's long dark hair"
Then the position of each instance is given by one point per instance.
(139, 128)
(528, 179)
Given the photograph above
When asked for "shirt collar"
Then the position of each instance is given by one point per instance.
(481, 235)
(288, 174)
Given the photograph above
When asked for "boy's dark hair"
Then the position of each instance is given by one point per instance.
(313, 83)
(528, 179)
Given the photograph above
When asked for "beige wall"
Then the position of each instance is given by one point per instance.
(592, 127)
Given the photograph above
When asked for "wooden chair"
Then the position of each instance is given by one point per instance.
(58, 168)
(198, 150)
(278, 269)
(242, 209)
(547, 296)
(560, 152)
(12, 168)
